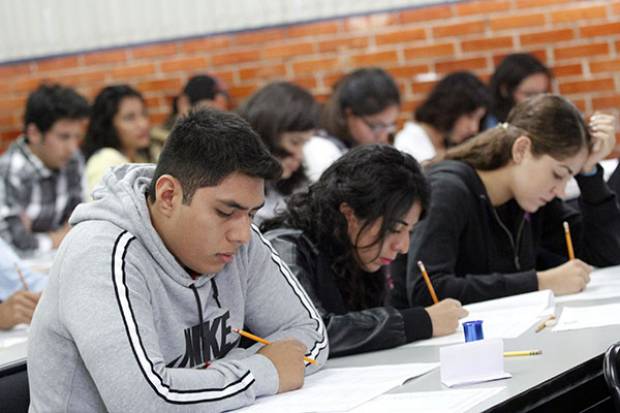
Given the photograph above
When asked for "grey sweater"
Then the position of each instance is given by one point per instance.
(123, 327)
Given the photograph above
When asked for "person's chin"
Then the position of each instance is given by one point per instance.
(532, 207)
(372, 267)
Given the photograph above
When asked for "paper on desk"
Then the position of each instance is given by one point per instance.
(11, 341)
(575, 318)
(14, 336)
(500, 320)
(340, 389)
(442, 401)
(473, 362)
(604, 283)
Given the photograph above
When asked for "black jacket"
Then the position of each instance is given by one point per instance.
(475, 252)
(349, 332)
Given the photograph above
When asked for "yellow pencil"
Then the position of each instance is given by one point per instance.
(263, 341)
(522, 353)
(428, 281)
(540, 327)
(569, 241)
(21, 277)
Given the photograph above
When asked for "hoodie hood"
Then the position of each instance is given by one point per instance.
(121, 199)
(461, 172)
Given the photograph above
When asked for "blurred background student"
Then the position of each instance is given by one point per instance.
(448, 116)
(339, 237)
(42, 171)
(285, 116)
(199, 91)
(118, 132)
(518, 77)
(363, 108)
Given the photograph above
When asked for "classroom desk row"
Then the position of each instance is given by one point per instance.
(567, 377)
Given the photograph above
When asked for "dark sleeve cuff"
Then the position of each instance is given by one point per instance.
(417, 323)
(593, 188)
(521, 282)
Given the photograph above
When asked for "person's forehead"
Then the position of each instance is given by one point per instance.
(67, 127)
(236, 188)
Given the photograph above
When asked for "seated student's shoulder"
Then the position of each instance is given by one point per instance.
(100, 243)
(455, 181)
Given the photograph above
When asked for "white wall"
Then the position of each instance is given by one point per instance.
(34, 28)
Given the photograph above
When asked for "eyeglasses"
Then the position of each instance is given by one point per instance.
(378, 128)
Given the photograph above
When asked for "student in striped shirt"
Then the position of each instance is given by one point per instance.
(42, 171)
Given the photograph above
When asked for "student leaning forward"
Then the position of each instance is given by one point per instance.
(494, 227)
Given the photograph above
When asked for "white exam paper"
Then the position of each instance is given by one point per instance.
(575, 318)
(441, 401)
(340, 389)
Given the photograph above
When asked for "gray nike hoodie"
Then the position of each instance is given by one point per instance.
(123, 327)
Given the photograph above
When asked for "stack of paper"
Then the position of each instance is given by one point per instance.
(444, 401)
(507, 317)
(340, 389)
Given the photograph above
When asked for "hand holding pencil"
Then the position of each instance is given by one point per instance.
(568, 278)
(286, 356)
(444, 314)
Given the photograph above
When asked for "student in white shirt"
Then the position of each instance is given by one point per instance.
(362, 109)
(450, 115)
(285, 116)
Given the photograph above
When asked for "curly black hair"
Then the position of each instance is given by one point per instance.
(376, 181)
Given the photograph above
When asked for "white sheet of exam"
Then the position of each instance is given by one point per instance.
(440, 401)
(340, 389)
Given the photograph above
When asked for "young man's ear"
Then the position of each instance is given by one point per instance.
(33, 134)
(520, 148)
(168, 195)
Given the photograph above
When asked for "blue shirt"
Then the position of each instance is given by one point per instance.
(9, 278)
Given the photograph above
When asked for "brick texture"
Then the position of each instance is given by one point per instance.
(579, 40)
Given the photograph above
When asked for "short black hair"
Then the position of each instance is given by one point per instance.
(201, 87)
(457, 94)
(50, 103)
(207, 146)
(508, 76)
(101, 131)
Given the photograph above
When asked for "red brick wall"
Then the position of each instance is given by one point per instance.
(580, 40)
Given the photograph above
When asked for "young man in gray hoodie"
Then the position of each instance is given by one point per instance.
(156, 273)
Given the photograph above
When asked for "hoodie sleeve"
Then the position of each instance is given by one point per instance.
(437, 240)
(354, 331)
(111, 318)
(595, 227)
(278, 307)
